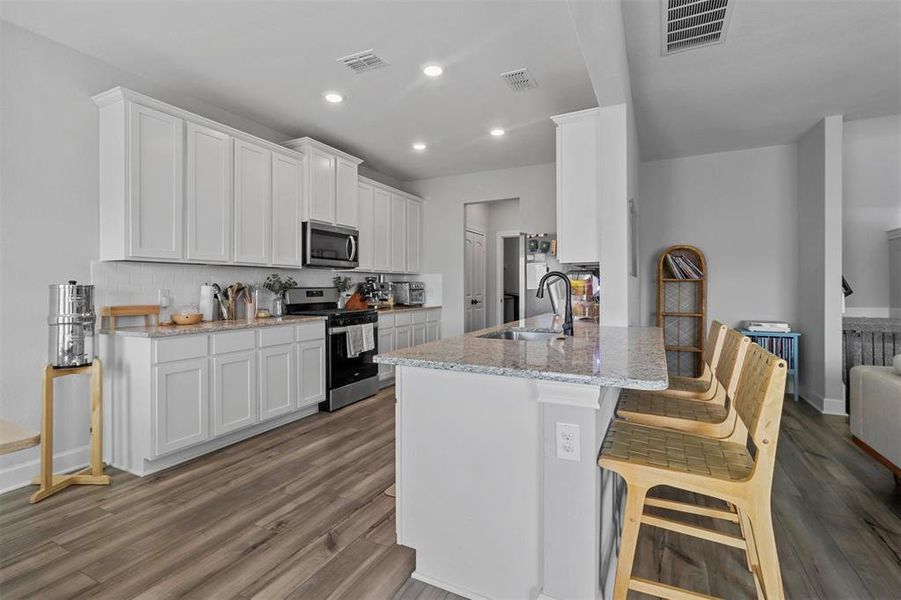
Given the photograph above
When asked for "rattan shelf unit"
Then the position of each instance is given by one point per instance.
(682, 309)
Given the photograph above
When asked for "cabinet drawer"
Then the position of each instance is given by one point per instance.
(274, 336)
(233, 341)
(180, 348)
(386, 321)
(433, 315)
(403, 318)
(310, 331)
(419, 316)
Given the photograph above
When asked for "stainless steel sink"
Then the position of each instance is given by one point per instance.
(522, 335)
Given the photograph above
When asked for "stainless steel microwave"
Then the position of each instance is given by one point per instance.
(330, 246)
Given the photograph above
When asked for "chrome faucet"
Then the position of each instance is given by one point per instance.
(568, 318)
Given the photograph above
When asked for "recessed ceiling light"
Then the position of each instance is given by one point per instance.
(419, 146)
(433, 70)
(497, 132)
(333, 97)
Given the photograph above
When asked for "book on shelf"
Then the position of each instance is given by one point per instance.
(768, 327)
(682, 268)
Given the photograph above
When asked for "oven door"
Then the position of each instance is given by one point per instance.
(330, 246)
(344, 370)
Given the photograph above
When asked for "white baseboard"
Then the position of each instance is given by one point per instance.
(448, 587)
(20, 475)
(827, 406)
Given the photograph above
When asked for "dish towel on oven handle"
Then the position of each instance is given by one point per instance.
(354, 340)
(368, 337)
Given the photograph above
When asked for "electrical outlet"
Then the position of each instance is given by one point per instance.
(569, 442)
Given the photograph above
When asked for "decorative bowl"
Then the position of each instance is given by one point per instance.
(187, 318)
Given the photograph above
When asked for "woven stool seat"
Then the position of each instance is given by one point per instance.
(677, 408)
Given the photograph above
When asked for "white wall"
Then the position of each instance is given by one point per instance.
(740, 209)
(820, 263)
(442, 253)
(871, 197)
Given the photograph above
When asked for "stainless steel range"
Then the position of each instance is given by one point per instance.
(349, 376)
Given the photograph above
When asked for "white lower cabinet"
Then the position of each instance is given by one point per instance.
(433, 332)
(181, 404)
(386, 344)
(405, 329)
(234, 390)
(420, 331)
(311, 367)
(278, 381)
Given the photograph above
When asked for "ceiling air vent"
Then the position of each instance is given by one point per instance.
(363, 61)
(519, 80)
(691, 24)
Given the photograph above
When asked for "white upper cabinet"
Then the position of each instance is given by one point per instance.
(176, 186)
(346, 193)
(208, 173)
(381, 230)
(398, 237)
(287, 210)
(366, 213)
(414, 235)
(578, 186)
(331, 183)
(253, 203)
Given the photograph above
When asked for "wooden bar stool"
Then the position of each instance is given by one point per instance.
(703, 418)
(647, 457)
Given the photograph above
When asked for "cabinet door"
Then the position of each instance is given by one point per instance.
(278, 380)
(253, 203)
(414, 235)
(156, 184)
(322, 186)
(366, 213)
(209, 194)
(287, 176)
(434, 331)
(181, 403)
(403, 337)
(420, 334)
(578, 193)
(381, 230)
(234, 391)
(346, 193)
(398, 233)
(311, 370)
(386, 344)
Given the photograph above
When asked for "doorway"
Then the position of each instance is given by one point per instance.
(474, 282)
(508, 273)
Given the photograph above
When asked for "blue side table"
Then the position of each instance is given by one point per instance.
(783, 345)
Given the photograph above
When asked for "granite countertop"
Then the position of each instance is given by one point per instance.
(169, 330)
(623, 357)
(397, 308)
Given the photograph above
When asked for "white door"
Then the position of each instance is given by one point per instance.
(234, 391)
(346, 193)
(420, 333)
(278, 380)
(434, 331)
(181, 405)
(287, 174)
(414, 235)
(209, 194)
(322, 186)
(381, 230)
(386, 344)
(398, 233)
(311, 370)
(365, 214)
(474, 280)
(253, 203)
(403, 337)
(156, 199)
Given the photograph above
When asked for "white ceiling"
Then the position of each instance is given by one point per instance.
(271, 62)
(784, 65)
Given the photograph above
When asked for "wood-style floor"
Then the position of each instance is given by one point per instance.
(300, 513)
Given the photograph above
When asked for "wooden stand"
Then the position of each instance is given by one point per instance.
(92, 475)
(682, 311)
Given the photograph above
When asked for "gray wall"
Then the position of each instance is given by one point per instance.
(871, 201)
(819, 260)
(740, 208)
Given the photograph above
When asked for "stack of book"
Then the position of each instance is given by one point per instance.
(682, 268)
(767, 326)
(780, 346)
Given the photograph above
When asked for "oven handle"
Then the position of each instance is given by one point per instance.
(339, 330)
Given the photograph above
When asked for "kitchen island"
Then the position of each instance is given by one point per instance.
(498, 488)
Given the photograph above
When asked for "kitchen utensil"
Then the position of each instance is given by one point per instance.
(187, 318)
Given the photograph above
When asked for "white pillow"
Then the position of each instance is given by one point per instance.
(897, 364)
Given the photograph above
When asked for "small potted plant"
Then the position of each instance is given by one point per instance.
(278, 286)
(344, 287)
